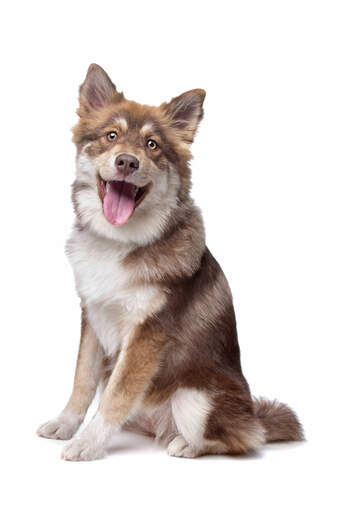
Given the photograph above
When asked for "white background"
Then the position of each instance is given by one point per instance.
(266, 174)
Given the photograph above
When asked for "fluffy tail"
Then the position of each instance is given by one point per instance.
(279, 421)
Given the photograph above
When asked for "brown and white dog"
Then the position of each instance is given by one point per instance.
(158, 324)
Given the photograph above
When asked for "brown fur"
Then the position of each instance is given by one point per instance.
(88, 370)
(279, 421)
(190, 341)
(184, 237)
(133, 373)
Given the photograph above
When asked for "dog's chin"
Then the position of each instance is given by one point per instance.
(120, 199)
(144, 227)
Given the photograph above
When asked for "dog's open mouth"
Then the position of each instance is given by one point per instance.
(120, 199)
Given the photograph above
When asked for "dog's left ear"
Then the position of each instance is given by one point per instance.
(185, 112)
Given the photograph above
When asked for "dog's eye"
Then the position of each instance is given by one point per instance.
(151, 144)
(111, 136)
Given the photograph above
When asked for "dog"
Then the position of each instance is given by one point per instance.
(158, 333)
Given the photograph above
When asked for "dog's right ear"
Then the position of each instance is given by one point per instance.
(97, 91)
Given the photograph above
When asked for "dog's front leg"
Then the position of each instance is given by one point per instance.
(88, 369)
(137, 364)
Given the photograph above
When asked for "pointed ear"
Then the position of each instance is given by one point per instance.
(96, 91)
(186, 111)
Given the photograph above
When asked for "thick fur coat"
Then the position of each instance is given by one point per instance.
(158, 324)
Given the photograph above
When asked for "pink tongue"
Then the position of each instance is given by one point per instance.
(119, 202)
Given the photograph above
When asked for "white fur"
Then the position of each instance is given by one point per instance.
(179, 447)
(114, 304)
(190, 408)
(63, 426)
(147, 128)
(122, 122)
(91, 443)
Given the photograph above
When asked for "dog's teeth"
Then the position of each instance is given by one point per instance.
(107, 186)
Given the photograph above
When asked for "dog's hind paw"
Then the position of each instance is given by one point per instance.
(180, 448)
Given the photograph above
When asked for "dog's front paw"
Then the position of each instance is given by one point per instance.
(62, 427)
(82, 449)
(91, 444)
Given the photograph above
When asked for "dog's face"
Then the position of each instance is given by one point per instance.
(132, 159)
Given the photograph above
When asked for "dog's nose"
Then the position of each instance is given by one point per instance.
(126, 163)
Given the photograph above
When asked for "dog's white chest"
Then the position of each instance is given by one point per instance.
(114, 304)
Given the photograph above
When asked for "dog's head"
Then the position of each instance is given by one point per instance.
(132, 159)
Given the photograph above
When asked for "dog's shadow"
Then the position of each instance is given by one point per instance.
(130, 442)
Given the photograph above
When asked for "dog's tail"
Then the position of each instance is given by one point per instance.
(279, 421)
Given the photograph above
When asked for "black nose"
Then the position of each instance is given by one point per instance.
(126, 163)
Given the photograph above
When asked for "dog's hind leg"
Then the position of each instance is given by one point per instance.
(208, 423)
(191, 409)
